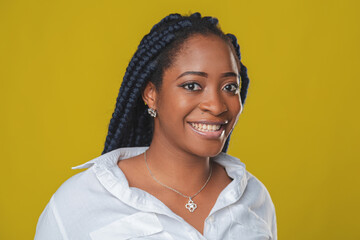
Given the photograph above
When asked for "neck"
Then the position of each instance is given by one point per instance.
(177, 168)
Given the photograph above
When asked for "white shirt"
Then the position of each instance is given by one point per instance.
(98, 204)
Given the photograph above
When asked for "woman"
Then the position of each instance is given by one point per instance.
(164, 173)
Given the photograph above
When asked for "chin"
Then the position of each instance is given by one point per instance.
(207, 150)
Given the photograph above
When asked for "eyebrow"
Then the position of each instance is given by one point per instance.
(203, 74)
(230, 74)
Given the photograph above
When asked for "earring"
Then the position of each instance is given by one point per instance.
(152, 112)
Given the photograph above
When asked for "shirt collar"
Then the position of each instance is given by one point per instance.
(114, 180)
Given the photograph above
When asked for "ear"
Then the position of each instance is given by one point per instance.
(149, 95)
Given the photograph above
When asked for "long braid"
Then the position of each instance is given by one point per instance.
(243, 70)
(144, 68)
(244, 80)
(130, 124)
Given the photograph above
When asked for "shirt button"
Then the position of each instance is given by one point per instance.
(211, 219)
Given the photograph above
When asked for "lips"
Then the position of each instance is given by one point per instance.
(206, 127)
(209, 130)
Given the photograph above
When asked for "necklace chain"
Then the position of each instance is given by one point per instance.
(190, 197)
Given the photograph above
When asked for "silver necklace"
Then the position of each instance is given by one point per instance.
(191, 206)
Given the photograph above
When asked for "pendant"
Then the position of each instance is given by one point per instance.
(191, 206)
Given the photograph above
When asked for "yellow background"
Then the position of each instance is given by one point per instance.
(62, 63)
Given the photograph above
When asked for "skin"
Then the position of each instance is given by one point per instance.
(200, 86)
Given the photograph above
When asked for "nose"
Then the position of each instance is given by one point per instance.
(213, 102)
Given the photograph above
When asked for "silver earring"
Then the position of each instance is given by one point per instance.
(152, 112)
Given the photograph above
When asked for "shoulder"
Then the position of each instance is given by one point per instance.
(81, 185)
(254, 206)
(78, 186)
(251, 185)
(97, 181)
(259, 202)
(67, 206)
(258, 195)
(254, 194)
(87, 200)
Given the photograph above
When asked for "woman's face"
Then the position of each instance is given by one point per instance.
(199, 102)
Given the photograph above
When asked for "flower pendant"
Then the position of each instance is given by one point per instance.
(191, 206)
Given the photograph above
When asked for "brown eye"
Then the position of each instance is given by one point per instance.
(192, 86)
(234, 88)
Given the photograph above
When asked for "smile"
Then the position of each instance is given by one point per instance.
(206, 127)
(209, 130)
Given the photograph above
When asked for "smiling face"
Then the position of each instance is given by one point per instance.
(199, 102)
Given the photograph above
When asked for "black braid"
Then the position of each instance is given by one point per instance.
(243, 70)
(130, 125)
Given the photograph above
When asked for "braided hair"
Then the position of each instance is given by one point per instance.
(130, 125)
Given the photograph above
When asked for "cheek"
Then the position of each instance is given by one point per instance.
(175, 105)
(236, 108)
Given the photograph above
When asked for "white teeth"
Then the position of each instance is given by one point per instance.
(206, 127)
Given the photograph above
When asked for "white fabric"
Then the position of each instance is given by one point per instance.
(98, 204)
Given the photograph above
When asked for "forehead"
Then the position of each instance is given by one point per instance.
(210, 53)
